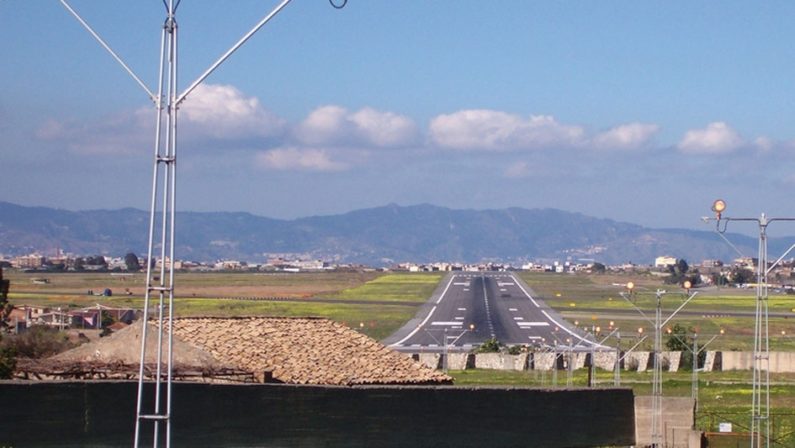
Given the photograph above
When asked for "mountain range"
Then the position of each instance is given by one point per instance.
(376, 236)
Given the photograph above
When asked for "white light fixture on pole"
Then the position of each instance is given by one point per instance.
(760, 401)
(658, 323)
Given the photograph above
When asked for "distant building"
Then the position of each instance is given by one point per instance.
(32, 261)
(664, 261)
(711, 264)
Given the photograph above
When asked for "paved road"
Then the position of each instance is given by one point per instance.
(470, 308)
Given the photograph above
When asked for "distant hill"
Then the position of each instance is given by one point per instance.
(375, 236)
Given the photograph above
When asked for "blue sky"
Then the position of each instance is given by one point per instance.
(637, 111)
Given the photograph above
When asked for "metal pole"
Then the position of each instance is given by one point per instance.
(656, 416)
(444, 361)
(760, 420)
(694, 391)
(617, 367)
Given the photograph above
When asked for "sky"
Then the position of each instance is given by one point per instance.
(643, 112)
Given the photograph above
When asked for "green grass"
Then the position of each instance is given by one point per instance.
(375, 320)
(403, 287)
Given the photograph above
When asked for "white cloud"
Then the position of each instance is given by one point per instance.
(483, 129)
(298, 159)
(334, 125)
(384, 129)
(223, 112)
(716, 138)
(517, 170)
(626, 136)
(121, 134)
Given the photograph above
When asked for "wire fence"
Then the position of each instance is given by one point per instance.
(782, 425)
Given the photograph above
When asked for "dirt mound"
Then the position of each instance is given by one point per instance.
(124, 346)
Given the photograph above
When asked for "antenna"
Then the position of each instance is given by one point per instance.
(160, 279)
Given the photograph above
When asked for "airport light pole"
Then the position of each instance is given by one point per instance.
(617, 373)
(760, 401)
(446, 342)
(658, 323)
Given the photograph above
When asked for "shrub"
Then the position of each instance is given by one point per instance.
(39, 342)
(489, 346)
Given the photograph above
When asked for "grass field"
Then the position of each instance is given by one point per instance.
(377, 320)
(403, 287)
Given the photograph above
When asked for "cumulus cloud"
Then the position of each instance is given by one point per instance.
(716, 138)
(334, 125)
(298, 159)
(224, 112)
(626, 136)
(495, 130)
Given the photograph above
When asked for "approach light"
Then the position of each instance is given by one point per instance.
(630, 286)
(722, 331)
(687, 285)
(471, 327)
(640, 330)
(719, 206)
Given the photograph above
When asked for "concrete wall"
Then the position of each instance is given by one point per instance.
(780, 362)
(678, 417)
(501, 361)
(102, 414)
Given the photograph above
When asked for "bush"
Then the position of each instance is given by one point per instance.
(489, 346)
(516, 349)
(38, 342)
(8, 361)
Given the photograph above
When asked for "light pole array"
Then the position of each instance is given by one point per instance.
(658, 323)
(760, 402)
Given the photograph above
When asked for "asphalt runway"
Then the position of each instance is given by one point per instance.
(468, 308)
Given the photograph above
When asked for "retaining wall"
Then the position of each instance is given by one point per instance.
(780, 362)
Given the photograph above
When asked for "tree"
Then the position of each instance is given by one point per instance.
(742, 275)
(131, 260)
(8, 361)
(680, 341)
(678, 272)
(5, 307)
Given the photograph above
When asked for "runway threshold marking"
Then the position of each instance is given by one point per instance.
(428, 317)
(532, 324)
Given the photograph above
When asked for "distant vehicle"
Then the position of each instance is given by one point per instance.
(107, 292)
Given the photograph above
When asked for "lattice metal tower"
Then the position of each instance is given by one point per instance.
(159, 296)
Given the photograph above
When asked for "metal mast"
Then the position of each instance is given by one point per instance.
(760, 402)
(657, 433)
(163, 202)
(160, 278)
